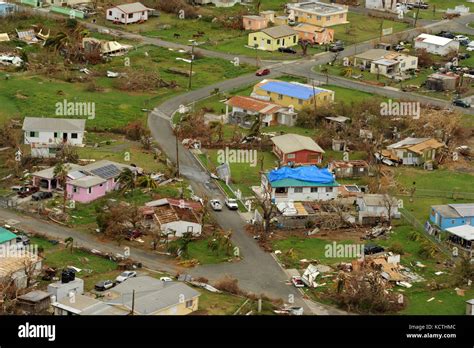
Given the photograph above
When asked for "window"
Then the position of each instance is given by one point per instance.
(74, 135)
(413, 62)
(254, 38)
(403, 65)
(280, 190)
(328, 189)
(280, 96)
(189, 304)
(130, 15)
(110, 13)
(123, 16)
(314, 189)
(74, 189)
(34, 134)
(291, 156)
(294, 39)
(298, 190)
(89, 190)
(56, 134)
(328, 18)
(189, 229)
(278, 41)
(269, 42)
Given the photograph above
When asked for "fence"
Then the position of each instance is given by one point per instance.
(68, 11)
(444, 194)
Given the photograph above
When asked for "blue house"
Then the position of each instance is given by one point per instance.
(6, 8)
(452, 215)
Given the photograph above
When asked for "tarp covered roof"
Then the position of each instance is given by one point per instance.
(306, 173)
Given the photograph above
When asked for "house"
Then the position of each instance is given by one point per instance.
(128, 13)
(7, 239)
(271, 39)
(462, 237)
(106, 48)
(66, 3)
(452, 215)
(436, 44)
(252, 22)
(295, 149)
(308, 183)
(218, 3)
(65, 289)
(376, 207)
(318, 13)
(314, 34)
(281, 20)
(86, 305)
(292, 95)
(47, 135)
(269, 15)
(19, 266)
(413, 151)
(4, 37)
(84, 183)
(6, 8)
(177, 216)
(383, 62)
(34, 302)
(245, 110)
(382, 5)
(349, 169)
(442, 82)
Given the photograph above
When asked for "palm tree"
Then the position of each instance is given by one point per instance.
(69, 241)
(126, 179)
(146, 181)
(218, 129)
(61, 171)
(60, 40)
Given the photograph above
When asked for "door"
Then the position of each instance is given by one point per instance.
(64, 137)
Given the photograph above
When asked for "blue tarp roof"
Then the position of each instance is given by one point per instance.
(308, 173)
(290, 89)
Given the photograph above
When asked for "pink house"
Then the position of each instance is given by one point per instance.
(254, 22)
(85, 183)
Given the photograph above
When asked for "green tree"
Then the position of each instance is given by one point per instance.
(69, 241)
(126, 180)
(61, 171)
(146, 181)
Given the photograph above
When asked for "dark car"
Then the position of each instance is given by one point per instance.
(337, 46)
(287, 50)
(21, 238)
(461, 103)
(38, 196)
(399, 48)
(372, 249)
(104, 285)
(26, 191)
(262, 72)
(446, 34)
(464, 55)
(420, 4)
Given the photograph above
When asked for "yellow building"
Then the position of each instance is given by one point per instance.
(271, 39)
(318, 13)
(292, 94)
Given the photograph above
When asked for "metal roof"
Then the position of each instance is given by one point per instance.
(6, 235)
(87, 181)
(289, 143)
(39, 124)
(279, 31)
(464, 210)
(133, 7)
(433, 39)
(291, 89)
(464, 231)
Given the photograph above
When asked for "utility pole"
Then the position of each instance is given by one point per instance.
(257, 60)
(417, 13)
(193, 43)
(133, 303)
(381, 30)
(177, 152)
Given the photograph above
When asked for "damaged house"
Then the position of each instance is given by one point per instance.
(106, 48)
(176, 216)
(413, 151)
(373, 208)
(349, 169)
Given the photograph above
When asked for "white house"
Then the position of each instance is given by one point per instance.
(302, 184)
(377, 206)
(128, 13)
(436, 44)
(46, 135)
(382, 5)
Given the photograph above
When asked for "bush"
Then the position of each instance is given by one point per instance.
(396, 248)
(229, 285)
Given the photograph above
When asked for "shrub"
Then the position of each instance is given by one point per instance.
(229, 285)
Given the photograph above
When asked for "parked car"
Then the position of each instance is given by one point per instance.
(26, 191)
(420, 4)
(104, 285)
(446, 34)
(297, 282)
(337, 46)
(125, 275)
(216, 204)
(166, 279)
(38, 196)
(461, 103)
(370, 249)
(464, 56)
(399, 47)
(287, 50)
(231, 203)
(296, 311)
(21, 238)
(461, 38)
(464, 42)
(262, 72)
(470, 47)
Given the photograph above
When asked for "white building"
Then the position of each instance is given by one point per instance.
(436, 44)
(382, 5)
(46, 135)
(128, 13)
(377, 206)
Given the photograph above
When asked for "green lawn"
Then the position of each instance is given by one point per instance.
(219, 304)
(198, 250)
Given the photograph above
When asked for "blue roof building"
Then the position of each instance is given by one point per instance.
(6, 8)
